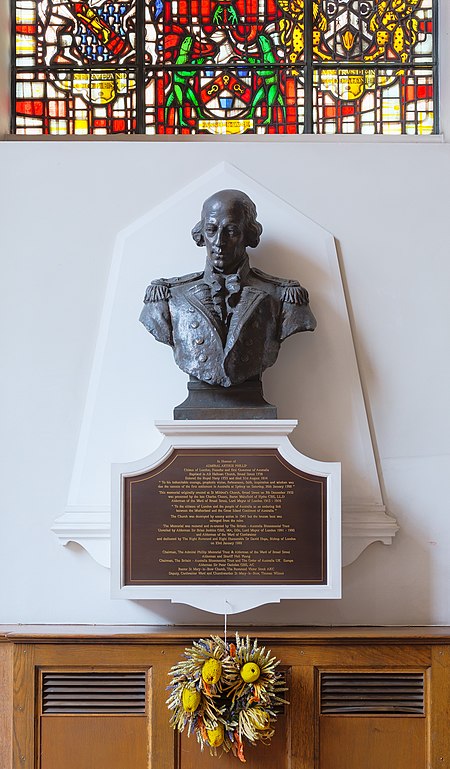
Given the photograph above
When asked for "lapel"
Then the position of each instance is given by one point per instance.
(250, 300)
(196, 297)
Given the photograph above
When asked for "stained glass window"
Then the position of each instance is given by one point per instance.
(224, 67)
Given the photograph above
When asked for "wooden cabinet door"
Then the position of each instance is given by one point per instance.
(373, 712)
(91, 707)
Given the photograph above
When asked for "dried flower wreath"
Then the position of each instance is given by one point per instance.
(226, 693)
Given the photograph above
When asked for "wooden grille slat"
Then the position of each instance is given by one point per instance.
(97, 689)
(376, 677)
(372, 693)
(90, 679)
(94, 692)
(57, 698)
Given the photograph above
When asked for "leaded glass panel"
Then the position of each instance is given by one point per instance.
(225, 66)
(75, 102)
(225, 101)
(377, 101)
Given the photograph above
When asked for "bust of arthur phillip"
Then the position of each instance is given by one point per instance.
(226, 324)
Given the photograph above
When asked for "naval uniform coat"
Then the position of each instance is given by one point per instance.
(180, 312)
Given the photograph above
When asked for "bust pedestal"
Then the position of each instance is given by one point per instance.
(242, 401)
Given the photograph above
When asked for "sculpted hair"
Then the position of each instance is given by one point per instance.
(253, 228)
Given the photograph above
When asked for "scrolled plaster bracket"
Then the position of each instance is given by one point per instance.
(362, 524)
(88, 527)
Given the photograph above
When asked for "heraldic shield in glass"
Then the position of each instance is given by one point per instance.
(224, 67)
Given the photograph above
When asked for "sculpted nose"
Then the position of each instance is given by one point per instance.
(222, 236)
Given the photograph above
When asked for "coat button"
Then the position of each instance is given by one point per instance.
(200, 340)
(249, 342)
(203, 358)
(191, 309)
(245, 358)
(195, 324)
(207, 376)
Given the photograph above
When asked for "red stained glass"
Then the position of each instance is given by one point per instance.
(343, 110)
(418, 92)
(424, 91)
(30, 107)
(26, 29)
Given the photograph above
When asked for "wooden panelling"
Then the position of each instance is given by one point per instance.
(24, 707)
(6, 705)
(372, 742)
(302, 716)
(304, 739)
(439, 708)
(88, 742)
(164, 744)
(183, 634)
(371, 657)
(98, 655)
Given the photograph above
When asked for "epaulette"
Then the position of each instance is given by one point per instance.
(160, 289)
(293, 292)
(157, 291)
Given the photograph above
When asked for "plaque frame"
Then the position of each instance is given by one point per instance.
(228, 434)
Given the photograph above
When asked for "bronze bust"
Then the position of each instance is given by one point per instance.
(226, 324)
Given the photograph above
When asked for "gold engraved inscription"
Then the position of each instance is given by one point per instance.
(226, 520)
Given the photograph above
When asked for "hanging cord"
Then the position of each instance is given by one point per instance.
(225, 620)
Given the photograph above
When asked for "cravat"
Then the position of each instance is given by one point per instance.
(225, 291)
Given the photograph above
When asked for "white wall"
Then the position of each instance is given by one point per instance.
(62, 205)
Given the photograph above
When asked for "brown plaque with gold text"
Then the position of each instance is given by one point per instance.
(225, 516)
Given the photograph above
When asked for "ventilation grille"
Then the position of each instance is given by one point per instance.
(388, 693)
(87, 692)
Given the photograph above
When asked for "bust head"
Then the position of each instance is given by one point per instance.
(228, 225)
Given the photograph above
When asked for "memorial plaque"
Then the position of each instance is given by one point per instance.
(232, 516)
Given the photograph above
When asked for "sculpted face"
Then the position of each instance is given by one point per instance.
(224, 232)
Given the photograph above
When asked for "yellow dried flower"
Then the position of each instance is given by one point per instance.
(211, 671)
(190, 699)
(260, 718)
(250, 672)
(215, 736)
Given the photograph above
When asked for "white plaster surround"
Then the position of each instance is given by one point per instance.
(134, 381)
